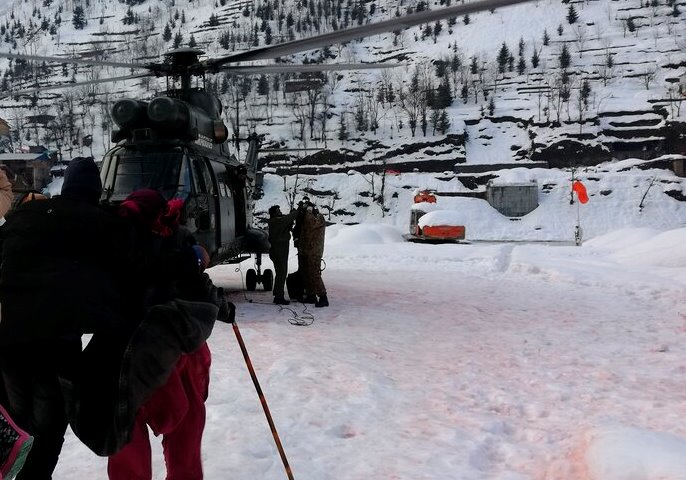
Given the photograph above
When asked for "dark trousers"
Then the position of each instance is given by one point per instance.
(279, 257)
(34, 398)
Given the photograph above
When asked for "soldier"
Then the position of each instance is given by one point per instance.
(280, 226)
(311, 249)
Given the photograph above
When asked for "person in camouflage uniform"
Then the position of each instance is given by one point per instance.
(311, 250)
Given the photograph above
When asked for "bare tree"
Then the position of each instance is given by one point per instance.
(300, 109)
(328, 90)
(409, 101)
(582, 100)
(648, 75)
(606, 70)
(580, 37)
(676, 95)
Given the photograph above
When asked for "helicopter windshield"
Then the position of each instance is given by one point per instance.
(129, 170)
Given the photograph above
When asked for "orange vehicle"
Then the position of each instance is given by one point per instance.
(429, 223)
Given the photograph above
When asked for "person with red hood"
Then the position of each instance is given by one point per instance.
(176, 410)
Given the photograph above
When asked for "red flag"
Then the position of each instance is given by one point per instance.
(580, 190)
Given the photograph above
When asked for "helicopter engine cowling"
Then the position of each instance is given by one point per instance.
(170, 113)
(129, 113)
(181, 118)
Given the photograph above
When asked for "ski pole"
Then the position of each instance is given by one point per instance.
(263, 401)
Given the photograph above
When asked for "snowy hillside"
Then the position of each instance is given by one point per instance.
(621, 195)
(547, 83)
(497, 77)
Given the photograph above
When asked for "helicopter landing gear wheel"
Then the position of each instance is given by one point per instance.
(251, 280)
(268, 280)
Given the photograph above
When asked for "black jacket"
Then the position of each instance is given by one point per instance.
(64, 271)
(120, 372)
(280, 232)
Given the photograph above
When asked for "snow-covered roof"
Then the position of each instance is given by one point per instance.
(23, 157)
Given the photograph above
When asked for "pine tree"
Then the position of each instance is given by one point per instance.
(474, 66)
(178, 39)
(491, 106)
(79, 18)
(521, 66)
(503, 57)
(438, 27)
(464, 92)
(167, 34)
(435, 115)
(192, 43)
(572, 16)
(444, 97)
(443, 123)
(630, 25)
(565, 58)
(342, 128)
(263, 85)
(585, 92)
(535, 59)
(466, 20)
(546, 38)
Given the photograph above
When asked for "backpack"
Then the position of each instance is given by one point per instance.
(294, 285)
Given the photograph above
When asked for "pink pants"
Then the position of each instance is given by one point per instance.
(177, 412)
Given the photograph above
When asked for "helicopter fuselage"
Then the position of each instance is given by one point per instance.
(175, 147)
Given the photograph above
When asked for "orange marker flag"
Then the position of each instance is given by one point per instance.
(580, 190)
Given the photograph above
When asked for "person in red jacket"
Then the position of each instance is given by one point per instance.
(176, 410)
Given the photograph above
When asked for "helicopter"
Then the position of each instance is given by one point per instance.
(178, 144)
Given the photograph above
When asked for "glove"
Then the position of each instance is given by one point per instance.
(202, 257)
(227, 310)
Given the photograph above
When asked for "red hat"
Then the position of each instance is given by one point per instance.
(143, 206)
(169, 218)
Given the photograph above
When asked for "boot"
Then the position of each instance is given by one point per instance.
(322, 302)
(311, 298)
(281, 301)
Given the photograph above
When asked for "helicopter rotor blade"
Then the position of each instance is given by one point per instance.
(79, 61)
(341, 36)
(72, 85)
(310, 67)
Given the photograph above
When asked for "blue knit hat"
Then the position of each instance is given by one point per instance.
(82, 179)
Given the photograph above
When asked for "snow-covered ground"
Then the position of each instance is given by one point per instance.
(445, 362)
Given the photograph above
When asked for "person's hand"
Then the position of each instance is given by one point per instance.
(227, 310)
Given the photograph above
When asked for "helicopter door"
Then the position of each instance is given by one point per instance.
(226, 216)
(205, 207)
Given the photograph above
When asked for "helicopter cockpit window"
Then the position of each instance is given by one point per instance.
(136, 170)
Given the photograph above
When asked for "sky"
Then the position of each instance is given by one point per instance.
(503, 360)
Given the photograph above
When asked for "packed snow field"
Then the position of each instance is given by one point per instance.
(446, 362)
